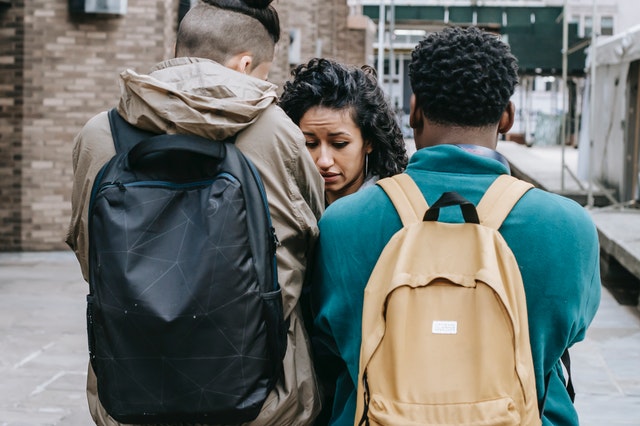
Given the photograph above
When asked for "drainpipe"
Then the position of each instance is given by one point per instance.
(592, 105)
(392, 54)
(381, 19)
(565, 47)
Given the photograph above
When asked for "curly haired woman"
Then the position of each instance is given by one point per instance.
(352, 132)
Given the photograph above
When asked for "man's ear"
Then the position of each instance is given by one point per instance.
(416, 118)
(241, 62)
(507, 118)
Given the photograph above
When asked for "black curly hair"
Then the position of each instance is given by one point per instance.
(326, 83)
(463, 76)
(260, 10)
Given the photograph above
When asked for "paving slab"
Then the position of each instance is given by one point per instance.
(544, 166)
(606, 367)
(43, 349)
(43, 355)
(619, 233)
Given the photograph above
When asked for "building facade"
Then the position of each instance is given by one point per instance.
(534, 30)
(59, 62)
(56, 71)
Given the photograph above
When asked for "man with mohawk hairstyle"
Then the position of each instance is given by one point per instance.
(216, 87)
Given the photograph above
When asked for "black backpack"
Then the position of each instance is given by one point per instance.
(185, 319)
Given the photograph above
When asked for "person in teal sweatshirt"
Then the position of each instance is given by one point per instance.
(462, 81)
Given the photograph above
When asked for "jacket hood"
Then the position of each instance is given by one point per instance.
(194, 96)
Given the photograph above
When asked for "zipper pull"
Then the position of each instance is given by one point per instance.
(274, 239)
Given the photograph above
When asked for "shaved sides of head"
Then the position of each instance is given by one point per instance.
(219, 34)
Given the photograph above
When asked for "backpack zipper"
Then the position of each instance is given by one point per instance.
(163, 184)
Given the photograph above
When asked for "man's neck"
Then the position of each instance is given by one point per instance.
(436, 134)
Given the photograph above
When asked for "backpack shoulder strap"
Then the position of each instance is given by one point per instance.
(499, 199)
(125, 135)
(406, 197)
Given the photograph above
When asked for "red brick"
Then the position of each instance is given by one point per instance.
(58, 70)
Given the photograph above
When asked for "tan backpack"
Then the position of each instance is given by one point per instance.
(445, 337)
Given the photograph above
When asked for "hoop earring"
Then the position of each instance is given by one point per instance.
(366, 165)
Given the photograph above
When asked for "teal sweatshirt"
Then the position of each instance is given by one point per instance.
(553, 239)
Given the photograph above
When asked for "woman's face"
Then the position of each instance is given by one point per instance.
(336, 146)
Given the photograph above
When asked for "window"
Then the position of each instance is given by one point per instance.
(588, 26)
(115, 7)
(550, 84)
(294, 46)
(606, 25)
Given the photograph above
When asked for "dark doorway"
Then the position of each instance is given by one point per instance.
(632, 138)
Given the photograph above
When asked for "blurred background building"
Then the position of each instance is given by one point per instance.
(59, 62)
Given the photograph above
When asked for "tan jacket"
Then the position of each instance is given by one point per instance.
(188, 95)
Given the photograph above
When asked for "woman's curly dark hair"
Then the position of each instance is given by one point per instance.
(463, 76)
(326, 83)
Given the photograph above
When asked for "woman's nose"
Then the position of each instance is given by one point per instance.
(325, 158)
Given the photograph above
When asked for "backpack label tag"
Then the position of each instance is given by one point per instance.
(444, 327)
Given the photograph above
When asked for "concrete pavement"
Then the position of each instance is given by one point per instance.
(606, 367)
(43, 349)
(43, 353)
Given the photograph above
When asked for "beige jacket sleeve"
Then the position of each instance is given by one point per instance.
(295, 192)
(93, 147)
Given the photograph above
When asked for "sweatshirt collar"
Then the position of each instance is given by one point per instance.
(485, 152)
(459, 160)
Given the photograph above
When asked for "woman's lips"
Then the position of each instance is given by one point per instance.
(330, 177)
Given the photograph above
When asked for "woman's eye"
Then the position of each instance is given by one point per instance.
(311, 144)
(340, 144)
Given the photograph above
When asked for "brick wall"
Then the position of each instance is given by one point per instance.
(11, 102)
(326, 30)
(58, 70)
(357, 46)
(64, 70)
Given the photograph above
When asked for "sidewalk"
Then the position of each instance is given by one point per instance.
(606, 365)
(43, 349)
(43, 355)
